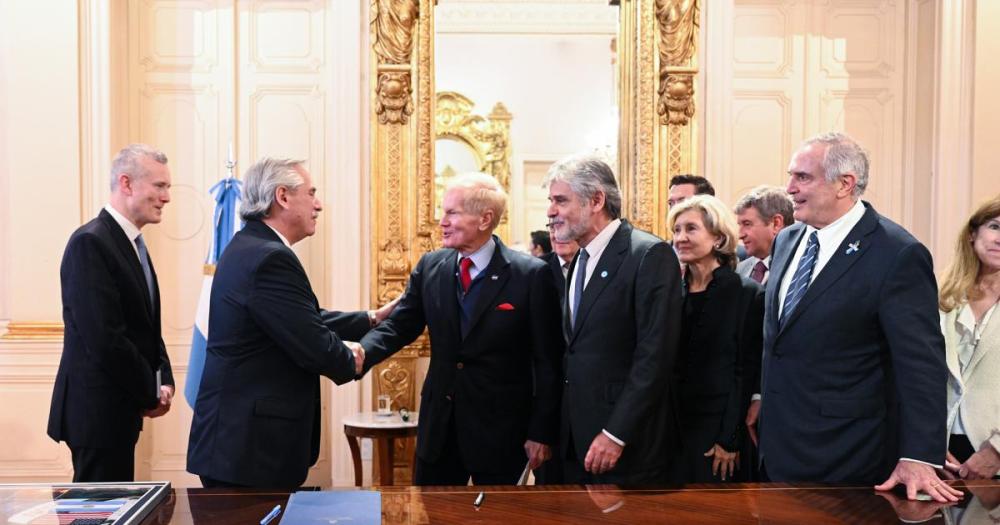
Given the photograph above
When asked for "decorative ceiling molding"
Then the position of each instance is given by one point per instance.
(526, 17)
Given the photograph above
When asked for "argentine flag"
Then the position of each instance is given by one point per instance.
(226, 224)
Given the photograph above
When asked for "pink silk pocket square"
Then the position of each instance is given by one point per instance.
(505, 306)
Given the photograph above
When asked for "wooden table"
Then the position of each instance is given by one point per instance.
(773, 504)
(385, 429)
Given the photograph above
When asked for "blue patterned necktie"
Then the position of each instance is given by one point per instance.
(580, 277)
(800, 281)
(144, 261)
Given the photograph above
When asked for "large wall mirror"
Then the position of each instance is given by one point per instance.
(465, 142)
(553, 65)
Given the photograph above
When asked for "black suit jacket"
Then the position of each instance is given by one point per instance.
(555, 264)
(856, 377)
(501, 380)
(723, 355)
(257, 417)
(620, 355)
(111, 346)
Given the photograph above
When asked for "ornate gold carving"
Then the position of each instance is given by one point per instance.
(393, 104)
(678, 41)
(33, 331)
(402, 170)
(488, 138)
(392, 26)
(678, 20)
(644, 191)
(676, 106)
(395, 379)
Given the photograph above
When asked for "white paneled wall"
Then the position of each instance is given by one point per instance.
(781, 71)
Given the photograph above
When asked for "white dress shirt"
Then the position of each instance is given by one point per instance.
(830, 238)
(131, 230)
(480, 258)
(595, 248)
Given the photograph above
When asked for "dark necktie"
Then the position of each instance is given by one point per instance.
(800, 281)
(144, 261)
(580, 277)
(464, 275)
(759, 269)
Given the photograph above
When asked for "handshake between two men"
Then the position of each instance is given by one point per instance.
(375, 317)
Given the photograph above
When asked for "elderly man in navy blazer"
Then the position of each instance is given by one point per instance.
(490, 402)
(854, 374)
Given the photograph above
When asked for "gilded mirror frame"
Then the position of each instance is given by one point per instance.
(657, 57)
(488, 137)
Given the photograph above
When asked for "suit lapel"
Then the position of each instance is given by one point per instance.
(127, 251)
(989, 342)
(444, 278)
(840, 262)
(604, 273)
(779, 265)
(951, 339)
(494, 278)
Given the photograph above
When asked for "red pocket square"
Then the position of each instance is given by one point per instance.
(505, 306)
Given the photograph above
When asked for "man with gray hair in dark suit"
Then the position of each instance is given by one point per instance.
(622, 321)
(257, 418)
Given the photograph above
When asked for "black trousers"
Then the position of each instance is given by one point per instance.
(450, 469)
(91, 465)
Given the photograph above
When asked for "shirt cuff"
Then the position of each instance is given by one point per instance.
(617, 441)
(921, 462)
(756, 397)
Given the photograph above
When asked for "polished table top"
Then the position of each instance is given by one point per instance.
(696, 504)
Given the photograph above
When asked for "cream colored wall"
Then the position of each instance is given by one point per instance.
(895, 75)
(986, 120)
(39, 208)
(87, 77)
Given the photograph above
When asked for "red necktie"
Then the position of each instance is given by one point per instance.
(759, 269)
(464, 274)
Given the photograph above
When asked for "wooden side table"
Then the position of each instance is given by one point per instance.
(386, 429)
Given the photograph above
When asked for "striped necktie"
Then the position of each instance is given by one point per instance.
(800, 281)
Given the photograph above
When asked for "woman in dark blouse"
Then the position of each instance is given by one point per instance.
(720, 346)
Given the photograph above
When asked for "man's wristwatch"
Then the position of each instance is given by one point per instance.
(371, 319)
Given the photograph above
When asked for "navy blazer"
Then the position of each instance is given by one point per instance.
(500, 380)
(856, 378)
(257, 417)
(112, 346)
(620, 356)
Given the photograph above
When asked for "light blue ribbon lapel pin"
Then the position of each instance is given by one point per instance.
(604, 274)
(853, 247)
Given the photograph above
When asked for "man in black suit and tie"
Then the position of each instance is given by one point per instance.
(490, 402)
(257, 418)
(854, 374)
(114, 368)
(622, 323)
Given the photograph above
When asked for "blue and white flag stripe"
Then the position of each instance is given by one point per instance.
(226, 223)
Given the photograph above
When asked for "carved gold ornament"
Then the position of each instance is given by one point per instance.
(392, 26)
(678, 31)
